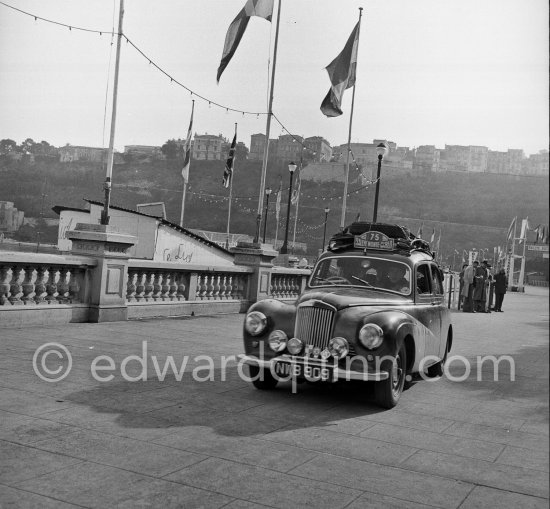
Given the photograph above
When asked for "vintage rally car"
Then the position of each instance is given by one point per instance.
(373, 310)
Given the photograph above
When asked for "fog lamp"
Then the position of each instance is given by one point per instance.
(277, 340)
(295, 346)
(338, 347)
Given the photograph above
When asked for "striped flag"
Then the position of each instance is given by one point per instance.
(235, 32)
(296, 193)
(341, 72)
(278, 202)
(187, 149)
(419, 233)
(432, 239)
(511, 228)
(228, 170)
(524, 230)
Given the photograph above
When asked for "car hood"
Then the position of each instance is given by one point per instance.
(344, 297)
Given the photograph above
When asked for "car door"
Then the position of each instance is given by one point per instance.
(427, 304)
(439, 300)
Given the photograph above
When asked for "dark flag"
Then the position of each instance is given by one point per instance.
(235, 32)
(341, 72)
(228, 170)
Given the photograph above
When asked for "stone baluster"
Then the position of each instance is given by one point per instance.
(216, 291)
(74, 286)
(27, 286)
(277, 286)
(229, 287)
(4, 285)
(173, 291)
(209, 287)
(140, 286)
(131, 287)
(165, 290)
(223, 279)
(149, 286)
(157, 286)
(181, 287)
(202, 287)
(63, 286)
(39, 285)
(15, 286)
(51, 286)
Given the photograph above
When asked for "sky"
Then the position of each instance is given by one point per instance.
(429, 72)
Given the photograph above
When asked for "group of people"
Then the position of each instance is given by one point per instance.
(478, 287)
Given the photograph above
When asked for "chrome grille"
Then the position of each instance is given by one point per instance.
(314, 325)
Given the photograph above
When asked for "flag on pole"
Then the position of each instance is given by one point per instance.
(341, 72)
(278, 202)
(524, 230)
(438, 241)
(187, 151)
(296, 193)
(419, 233)
(538, 230)
(235, 32)
(432, 238)
(511, 228)
(228, 170)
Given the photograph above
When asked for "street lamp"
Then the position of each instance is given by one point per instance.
(291, 168)
(327, 210)
(267, 193)
(382, 150)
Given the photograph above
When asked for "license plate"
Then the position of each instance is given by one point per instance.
(312, 373)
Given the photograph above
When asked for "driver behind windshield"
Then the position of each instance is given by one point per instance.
(394, 278)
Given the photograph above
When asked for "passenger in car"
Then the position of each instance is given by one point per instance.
(394, 279)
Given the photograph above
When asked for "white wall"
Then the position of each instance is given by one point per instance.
(67, 221)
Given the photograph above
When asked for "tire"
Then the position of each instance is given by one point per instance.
(262, 379)
(387, 392)
(437, 369)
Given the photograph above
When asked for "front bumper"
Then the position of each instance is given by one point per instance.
(339, 373)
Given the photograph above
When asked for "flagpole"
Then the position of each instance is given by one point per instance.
(346, 177)
(110, 153)
(230, 199)
(522, 269)
(298, 188)
(189, 164)
(511, 269)
(267, 130)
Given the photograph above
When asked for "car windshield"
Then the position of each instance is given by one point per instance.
(363, 271)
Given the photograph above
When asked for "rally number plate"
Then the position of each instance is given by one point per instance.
(312, 373)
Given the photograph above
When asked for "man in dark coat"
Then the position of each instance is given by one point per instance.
(480, 275)
(501, 284)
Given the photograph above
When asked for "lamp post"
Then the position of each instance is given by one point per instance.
(291, 168)
(382, 149)
(267, 193)
(327, 210)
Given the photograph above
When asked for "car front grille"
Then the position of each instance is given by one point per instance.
(314, 325)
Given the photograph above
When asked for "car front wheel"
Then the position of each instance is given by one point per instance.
(262, 379)
(387, 392)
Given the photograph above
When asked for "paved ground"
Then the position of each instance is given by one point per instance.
(80, 442)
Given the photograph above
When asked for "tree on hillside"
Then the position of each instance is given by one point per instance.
(7, 146)
(170, 149)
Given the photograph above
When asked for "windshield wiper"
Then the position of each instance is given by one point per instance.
(362, 281)
(319, 278)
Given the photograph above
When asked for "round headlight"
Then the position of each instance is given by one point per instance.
(255, 323)
(277, 340)
(371, 336)
(338, 347)
(295, 346)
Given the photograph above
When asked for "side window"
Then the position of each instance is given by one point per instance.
(437, 284)
(423, 278)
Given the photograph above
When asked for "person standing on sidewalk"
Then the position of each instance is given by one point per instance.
(501, 283)
(468, 289)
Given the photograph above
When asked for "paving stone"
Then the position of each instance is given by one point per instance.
(375, 501)
(134, 455)
(27, 403)
(317, 439)
(437, 442)
(528, 458)
(14, 497)
(400, 417)
(505, 477)
(264, 486)
(93, 485)
(388, 481)
(483, 497)
(20, 462)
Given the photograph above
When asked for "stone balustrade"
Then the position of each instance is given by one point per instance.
(288, 284)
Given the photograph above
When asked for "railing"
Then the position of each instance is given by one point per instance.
(288, 284)
(451, 289)
(28, 279)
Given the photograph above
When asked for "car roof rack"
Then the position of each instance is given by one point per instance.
(402, 239)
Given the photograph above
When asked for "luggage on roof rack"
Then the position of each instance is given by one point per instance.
(393, 231)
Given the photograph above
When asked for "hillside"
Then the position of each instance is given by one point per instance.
(448, 201)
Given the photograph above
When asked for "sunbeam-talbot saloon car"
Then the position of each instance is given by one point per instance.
(373, 310)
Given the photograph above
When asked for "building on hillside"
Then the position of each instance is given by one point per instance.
(320, 147)
(455, 158)
(478, 159)
(516, 157)
(497, 162)
(157, 239)
(324, 172)
(144, 151)
(289, 147)
(70, 153)
(208, 147)
(427, 158)
(11, 219)
(537, 164)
